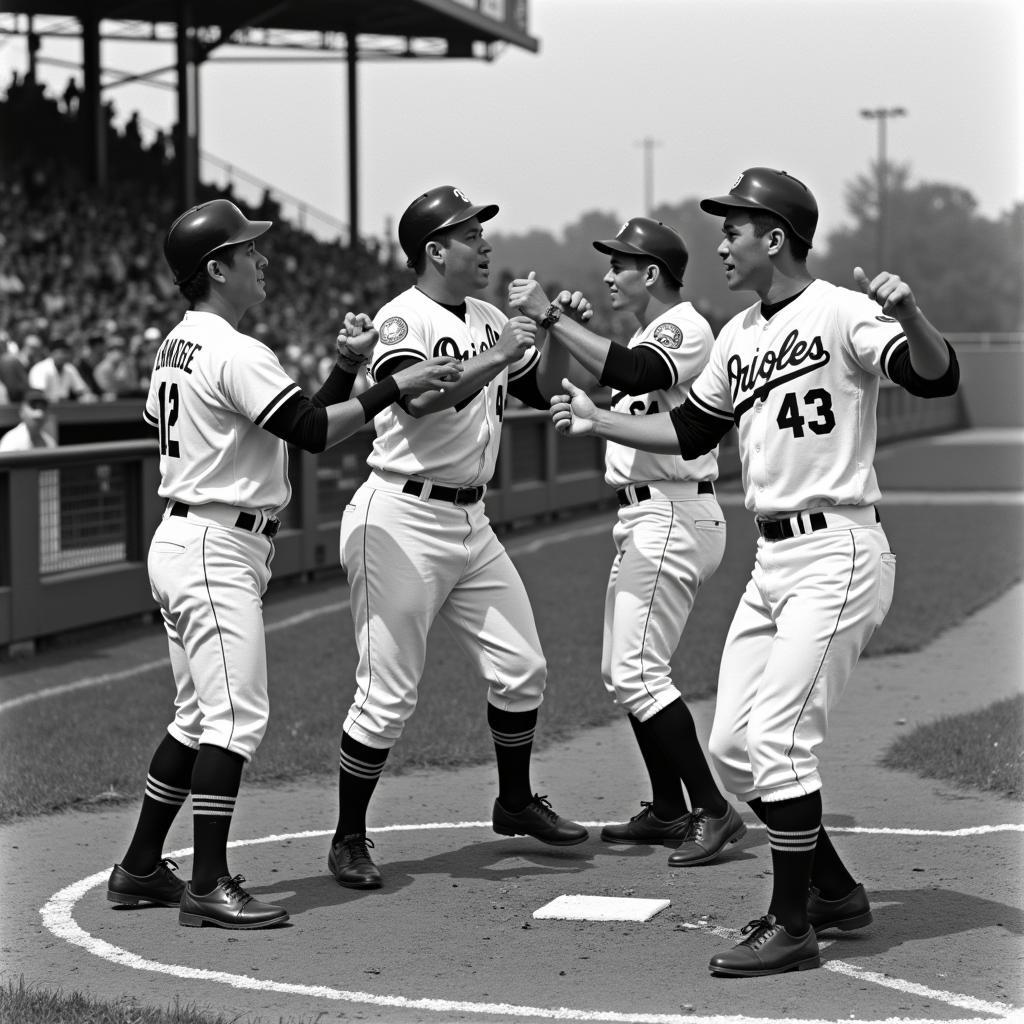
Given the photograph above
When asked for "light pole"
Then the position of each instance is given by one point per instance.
(882, 115)
(648, 145)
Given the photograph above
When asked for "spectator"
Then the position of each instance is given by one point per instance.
(31, 431)
(116, 373)
(13, 372)
(58, 378)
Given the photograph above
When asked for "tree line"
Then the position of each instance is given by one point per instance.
(967, 270)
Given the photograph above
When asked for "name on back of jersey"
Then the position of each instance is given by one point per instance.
(176, 354)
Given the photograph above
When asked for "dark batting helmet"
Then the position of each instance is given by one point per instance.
(762, 188)
(642, 236)
(440, 208)
(201, 231)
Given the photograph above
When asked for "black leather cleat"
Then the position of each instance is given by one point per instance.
(228, 906)
(538, 819)
(161, 886)
(646, 828)
(850, 912)
(706, 837)
(350, 863)
(768, 949)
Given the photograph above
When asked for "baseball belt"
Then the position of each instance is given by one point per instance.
(456, 495)
(635, 493)
(248, 521)
(811, 522)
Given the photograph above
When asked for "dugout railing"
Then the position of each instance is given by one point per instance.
(78, 518)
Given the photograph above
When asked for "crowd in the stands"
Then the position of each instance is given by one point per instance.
(85, 295)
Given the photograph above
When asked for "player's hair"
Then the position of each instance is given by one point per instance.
(419, 264)
(641, 261)
(764, 222)
(197, 287)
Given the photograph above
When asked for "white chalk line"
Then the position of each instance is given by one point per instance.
(518, 547)
(58, 917)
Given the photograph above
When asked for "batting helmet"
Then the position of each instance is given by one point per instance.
(204, 229)
(762, 188)
(642, 236)
(440, 208)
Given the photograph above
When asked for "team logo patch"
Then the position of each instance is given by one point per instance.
(885, 319)
(393, 330)
(668, 335)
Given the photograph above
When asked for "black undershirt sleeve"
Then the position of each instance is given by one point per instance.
(636, 371)
(525, 389)
(903, 373)
(698, 432)
(302, 421)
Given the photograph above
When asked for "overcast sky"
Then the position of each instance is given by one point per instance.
(719, 84)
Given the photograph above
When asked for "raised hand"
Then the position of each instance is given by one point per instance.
(428, 375)
(892, 293)
(526, 295)
(573, 413)
(355, 340)
(576, 305)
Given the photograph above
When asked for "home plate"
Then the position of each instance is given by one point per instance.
(601, 908)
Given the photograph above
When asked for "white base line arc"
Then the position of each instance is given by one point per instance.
(58, 917)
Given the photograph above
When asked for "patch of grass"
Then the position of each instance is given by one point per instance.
(31, 1005)
(103, 737)
(982, 750)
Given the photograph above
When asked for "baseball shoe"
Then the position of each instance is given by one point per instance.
(538, 819)
(647, 828)
(706, 837)
(228, 906)
(768, 949)
(161, 886)
(350, 863)
(850, 912)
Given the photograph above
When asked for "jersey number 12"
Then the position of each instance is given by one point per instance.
(167, 395)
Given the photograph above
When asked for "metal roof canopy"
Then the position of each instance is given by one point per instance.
(351, 30)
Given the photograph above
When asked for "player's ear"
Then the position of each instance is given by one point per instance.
(651, 274)
(213, 269)
(776, 239)
(435, 252)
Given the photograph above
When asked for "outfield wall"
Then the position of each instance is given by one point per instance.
(77, 519)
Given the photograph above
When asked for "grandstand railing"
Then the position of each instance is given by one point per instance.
(78, 518)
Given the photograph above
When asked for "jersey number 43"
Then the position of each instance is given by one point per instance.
(823, 421)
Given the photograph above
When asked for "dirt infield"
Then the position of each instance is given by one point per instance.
(450, 937)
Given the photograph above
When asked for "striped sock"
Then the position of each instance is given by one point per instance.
(167, 786)
(512, 733)
(215, 783)
(359, 768)
(793, 836)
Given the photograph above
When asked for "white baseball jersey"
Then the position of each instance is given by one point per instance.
(454, 446)
(802, 389)
(212, 389)
(683, 339)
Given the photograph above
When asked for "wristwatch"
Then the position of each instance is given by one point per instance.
(551, 316)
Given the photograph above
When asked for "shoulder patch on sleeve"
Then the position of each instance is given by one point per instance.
(393, 330)
(668, 334)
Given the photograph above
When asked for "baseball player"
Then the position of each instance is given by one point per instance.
(669, 537)
(416, 542)
(798, 374)
(224, 408)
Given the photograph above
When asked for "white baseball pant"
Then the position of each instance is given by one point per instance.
(209, 582)
(809, 608)
(410, 561)
(665, 549)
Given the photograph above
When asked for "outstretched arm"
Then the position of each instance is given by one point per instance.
(575, 414)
